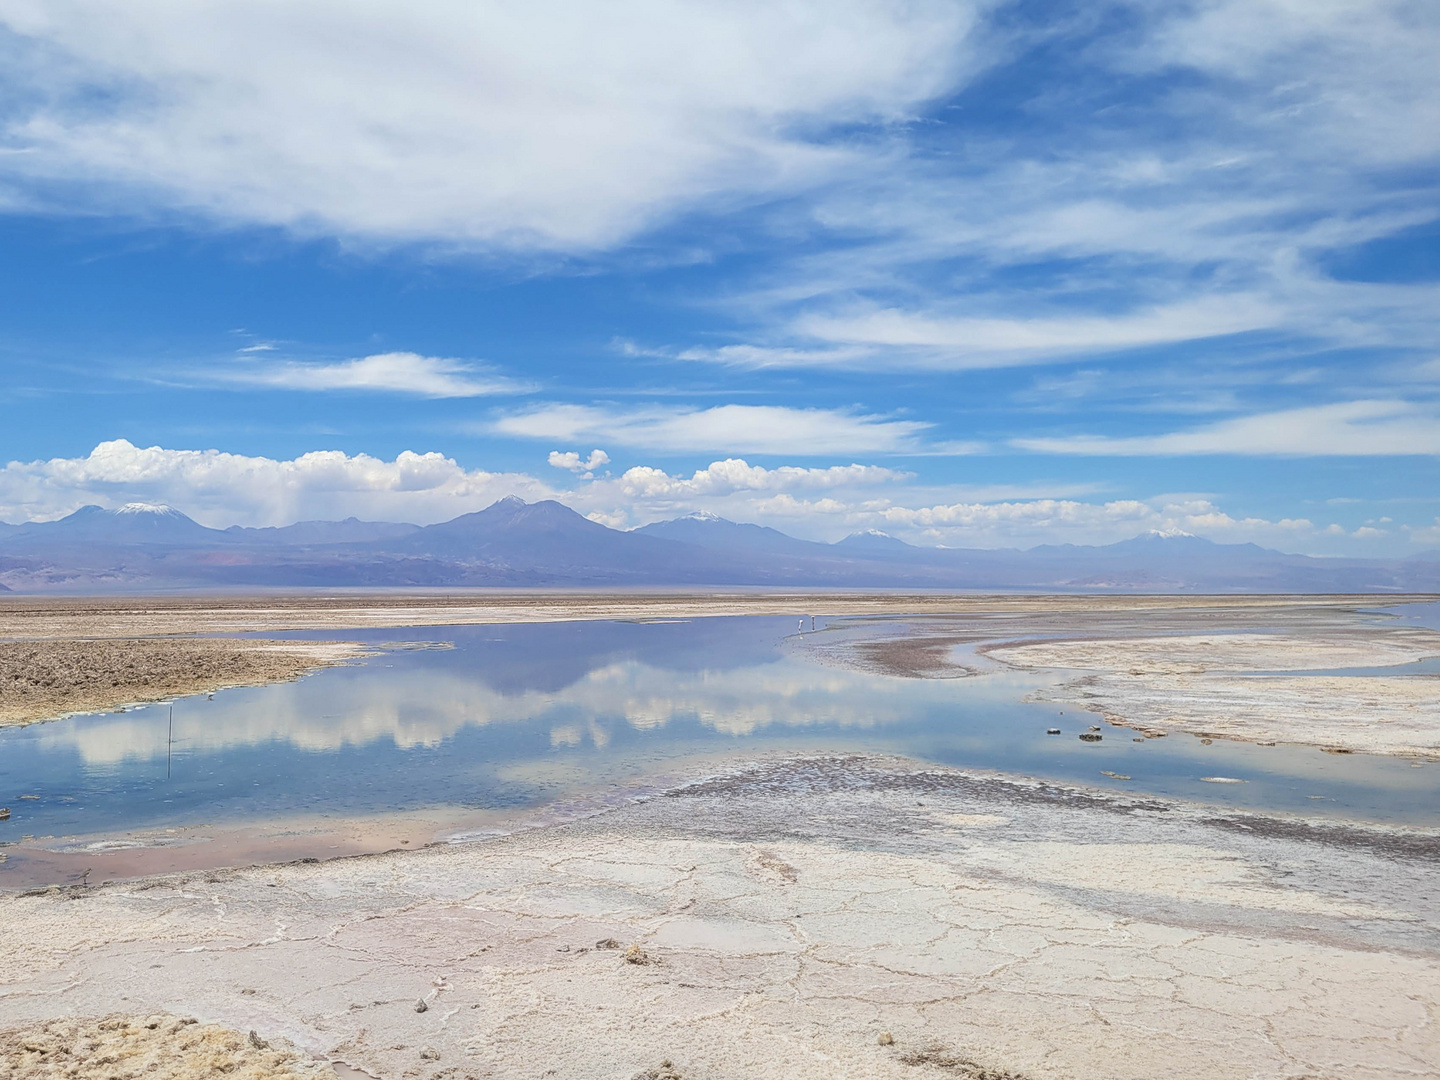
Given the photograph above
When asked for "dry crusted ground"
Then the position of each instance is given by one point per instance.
(818, 919)
(160, 1047)
(42, 680)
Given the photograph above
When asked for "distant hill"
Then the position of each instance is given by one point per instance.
(514, 543)
(350, 531)
(716, 533)
(875, 542)
(134, 523)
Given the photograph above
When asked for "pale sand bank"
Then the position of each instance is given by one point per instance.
(1240, 687)
(786, 916)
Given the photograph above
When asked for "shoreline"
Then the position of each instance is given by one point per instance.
(39, 865)
(1255, 674)
(784, 914)
(61, 657)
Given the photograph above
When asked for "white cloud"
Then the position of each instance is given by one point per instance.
(572, 460)
(546, 125)
(220, 489)
(1275, 134)
(1353, 428)
(1424, 534)
(758, 429)
(1049, 521)
(932, 339)
(395, 372)
(737, 475)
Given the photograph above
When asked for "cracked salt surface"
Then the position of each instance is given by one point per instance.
(521, 716)
(789, 913)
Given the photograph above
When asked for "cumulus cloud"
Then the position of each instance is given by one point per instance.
(572, 460)
(736, 475)
(221, 489)
(547, 125)
(1097, 522)
(395, 372)
(1424, 534)
(1352, 428)
(758, 429)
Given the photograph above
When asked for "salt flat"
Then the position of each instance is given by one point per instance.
(787, 920)
(808, 916)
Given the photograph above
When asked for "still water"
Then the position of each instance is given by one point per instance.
(514, 716)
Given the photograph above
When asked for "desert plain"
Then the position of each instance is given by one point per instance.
(824, 915)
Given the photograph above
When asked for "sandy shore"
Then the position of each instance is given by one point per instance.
(823, 918)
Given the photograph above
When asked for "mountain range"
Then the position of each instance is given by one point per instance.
(144, 547)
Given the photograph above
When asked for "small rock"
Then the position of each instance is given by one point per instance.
(886, 1039)
(429, 1053)
(4, 813)
(1094, 727)
(665, 1071)
(1090, 736)
(420, 1006)
(257, 1042)
(247, 991)
(1052, 731)
(636, 955)
(607, 943)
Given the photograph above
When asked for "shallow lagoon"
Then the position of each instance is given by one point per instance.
(511, 716)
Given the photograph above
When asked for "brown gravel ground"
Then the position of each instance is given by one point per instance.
(160, 1047)
(42, 680)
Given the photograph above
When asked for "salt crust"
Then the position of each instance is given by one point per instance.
(1241, 686)
(785, 920)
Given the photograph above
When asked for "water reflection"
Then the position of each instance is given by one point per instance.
(516, 714)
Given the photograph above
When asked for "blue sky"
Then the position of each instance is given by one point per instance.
(973, 273)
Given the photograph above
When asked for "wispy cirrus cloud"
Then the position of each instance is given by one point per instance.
(394, 373)
(1344, 429)
(757, 429)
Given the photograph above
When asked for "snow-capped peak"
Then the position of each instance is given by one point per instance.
(149, 508)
